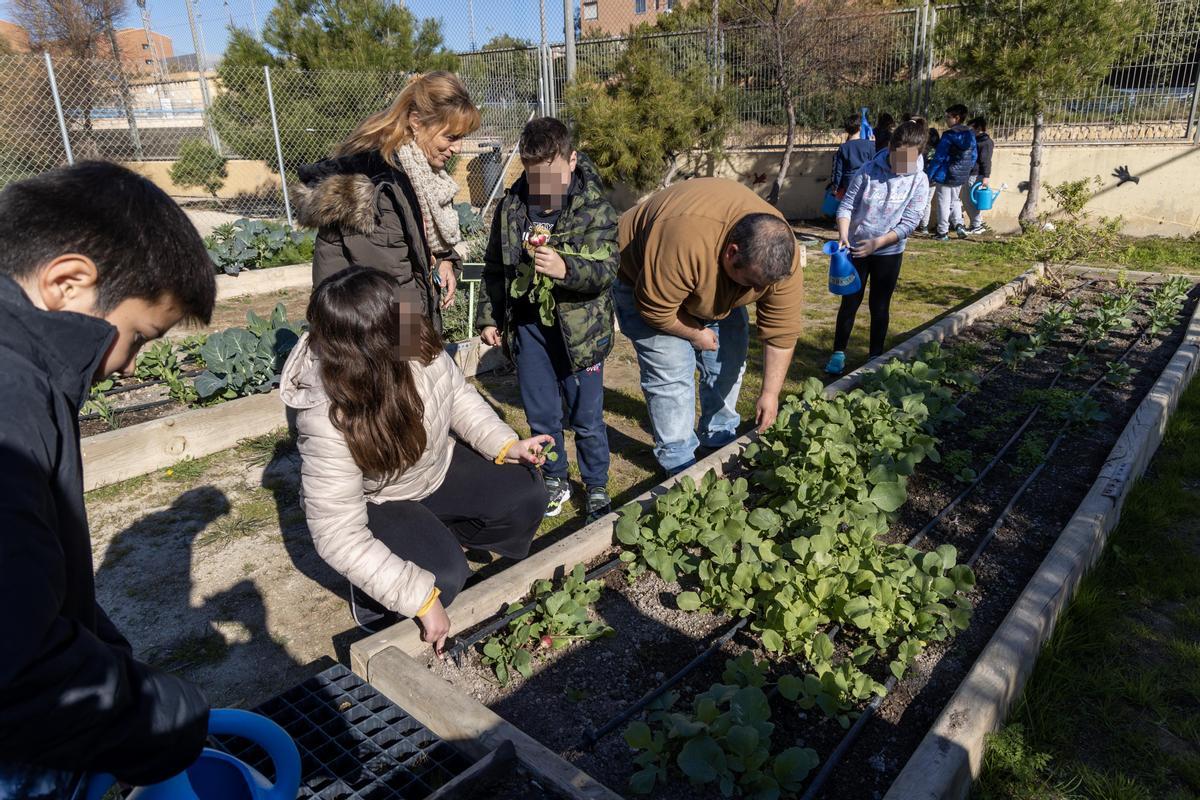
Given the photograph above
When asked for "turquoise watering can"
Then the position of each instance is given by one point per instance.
(220, 776)
(843, 277)
(983, 197)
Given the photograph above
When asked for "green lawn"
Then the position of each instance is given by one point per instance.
(1113, 707)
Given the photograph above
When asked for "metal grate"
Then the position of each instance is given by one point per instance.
(355, 744)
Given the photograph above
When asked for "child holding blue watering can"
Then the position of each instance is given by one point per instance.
(96, 262)
(883, 205)
(981, 173)
(949, 169)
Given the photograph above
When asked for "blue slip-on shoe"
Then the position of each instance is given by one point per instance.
(837, 363)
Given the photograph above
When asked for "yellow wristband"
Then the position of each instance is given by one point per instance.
(504, 451)
(433, 595)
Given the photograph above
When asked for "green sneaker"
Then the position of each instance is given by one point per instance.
(559, 490)
(598, 503)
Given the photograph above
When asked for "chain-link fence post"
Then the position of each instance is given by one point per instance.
(1193, 121)
(62, 121)
(569, 37)
(287, 205)
(205, 98)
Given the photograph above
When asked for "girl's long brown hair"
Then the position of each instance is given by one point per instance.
(357, 321)
(439, 99)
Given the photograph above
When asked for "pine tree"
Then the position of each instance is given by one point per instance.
(1019, 55)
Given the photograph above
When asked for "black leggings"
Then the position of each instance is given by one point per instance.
(480, 505)
(883, 272)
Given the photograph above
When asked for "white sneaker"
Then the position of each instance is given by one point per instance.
(559, 490)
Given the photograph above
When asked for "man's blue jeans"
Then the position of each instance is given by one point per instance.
(668, 366)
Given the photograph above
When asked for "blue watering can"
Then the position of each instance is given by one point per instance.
(843, 277)
(865, 130)
(220, 776)
(829, 205)
(983, 197)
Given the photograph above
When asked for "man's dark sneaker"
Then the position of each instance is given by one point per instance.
(560, 492)
(961, 231)
(369, 614)
(941, 237)
(598, 503)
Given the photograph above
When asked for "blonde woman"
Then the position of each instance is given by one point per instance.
(385, 200)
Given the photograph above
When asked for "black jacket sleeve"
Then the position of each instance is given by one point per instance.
(493, 302)
(71, 698)
(984, 163)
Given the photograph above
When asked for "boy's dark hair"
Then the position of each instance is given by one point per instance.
(912, 133)
(979, 124)
(544, 138)
(957, 110)
(852, 125)
(886, 122)
(142, 243)
(766, 243)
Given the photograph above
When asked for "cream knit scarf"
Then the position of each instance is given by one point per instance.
(435, 192)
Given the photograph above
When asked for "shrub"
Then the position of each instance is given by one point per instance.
(199, 165)
(256, 244)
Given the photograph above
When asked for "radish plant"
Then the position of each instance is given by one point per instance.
(559, 617)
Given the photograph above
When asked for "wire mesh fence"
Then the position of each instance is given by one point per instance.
(169, 107)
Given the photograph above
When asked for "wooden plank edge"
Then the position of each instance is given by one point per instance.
(484, 600)
(125, 453)
(263, 281)
(473, 728)
(950, 756)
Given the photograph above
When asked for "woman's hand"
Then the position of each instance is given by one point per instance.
(864, 249)
(529, 451)
(448, 281)
(550, 263)
(490, 336)
(435, 626)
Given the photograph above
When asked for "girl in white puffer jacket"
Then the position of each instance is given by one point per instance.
(392, 499)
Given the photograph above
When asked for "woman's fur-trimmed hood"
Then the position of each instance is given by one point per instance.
(342, 192)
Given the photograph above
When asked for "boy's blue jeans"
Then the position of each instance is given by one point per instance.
(547, 381)
(668, 365)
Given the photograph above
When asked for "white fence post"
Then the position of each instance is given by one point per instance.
(62, 122)
(287, 205)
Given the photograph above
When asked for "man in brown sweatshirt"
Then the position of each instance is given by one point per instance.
(693, 256)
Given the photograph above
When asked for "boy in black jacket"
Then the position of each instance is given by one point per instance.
(96, 261)
(982, 172)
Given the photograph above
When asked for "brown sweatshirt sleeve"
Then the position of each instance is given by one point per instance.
(669, 274)
(780, 311)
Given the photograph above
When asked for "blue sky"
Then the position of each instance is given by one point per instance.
(515, 17)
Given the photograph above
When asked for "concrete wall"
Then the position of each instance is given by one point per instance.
(245, 177)
(1166, 201)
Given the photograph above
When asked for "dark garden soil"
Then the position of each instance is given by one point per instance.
(586, 684)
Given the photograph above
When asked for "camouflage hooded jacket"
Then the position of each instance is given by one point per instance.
(583, 302)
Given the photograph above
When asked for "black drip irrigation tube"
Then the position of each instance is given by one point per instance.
(129, 409)
(455, 653)
(848, 741)
(133, 387)
(592, 735)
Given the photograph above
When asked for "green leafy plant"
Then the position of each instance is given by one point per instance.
(1084, 410)
(99, 404)
(539, 287)
(199, 165)
(1055, 320)
(550, 453)
(256, 244)
(1166, 302)
(1118, 373)
(1077, 363)
(723, 739)
(1016, 351)
(158, 361)
(958, 464)
(1031, 452)
(1068, 234)
(559, 617)
(245, 361)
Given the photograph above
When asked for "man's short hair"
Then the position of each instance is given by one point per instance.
(979, 124)
(143, 244)
(766, 243)
(543, 139)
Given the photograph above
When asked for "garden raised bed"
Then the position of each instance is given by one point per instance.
(981, 499)
(144, 447)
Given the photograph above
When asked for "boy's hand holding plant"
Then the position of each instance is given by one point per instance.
(549, 263)
(536, 278)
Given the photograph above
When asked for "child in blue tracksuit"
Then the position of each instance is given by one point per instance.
(949, 169)
(883, 204)
(852, 154)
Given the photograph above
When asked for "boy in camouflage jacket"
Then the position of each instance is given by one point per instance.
(550, 263)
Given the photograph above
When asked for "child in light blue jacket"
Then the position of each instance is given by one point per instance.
(883, 205)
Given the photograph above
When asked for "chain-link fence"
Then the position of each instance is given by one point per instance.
(173, 108)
